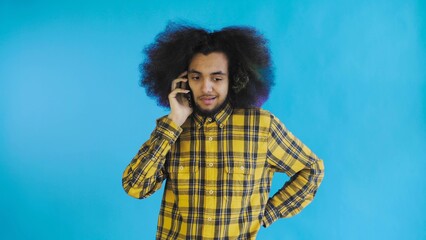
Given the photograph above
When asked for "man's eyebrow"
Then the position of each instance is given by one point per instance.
(218, 73)
(193, 71)
(213, 73)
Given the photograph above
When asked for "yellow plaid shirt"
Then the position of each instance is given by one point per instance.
(218, 174)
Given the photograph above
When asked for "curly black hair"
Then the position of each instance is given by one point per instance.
(249, 61)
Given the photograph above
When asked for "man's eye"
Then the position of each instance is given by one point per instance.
(217, 79)
(195, 78)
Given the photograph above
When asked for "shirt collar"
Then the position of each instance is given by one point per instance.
(220, 117)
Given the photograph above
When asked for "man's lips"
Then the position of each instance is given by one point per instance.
(207, 100)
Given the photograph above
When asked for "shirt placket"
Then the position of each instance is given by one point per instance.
(210, 175)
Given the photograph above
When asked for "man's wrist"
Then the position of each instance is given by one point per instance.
(178, 121)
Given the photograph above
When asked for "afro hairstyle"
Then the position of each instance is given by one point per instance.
(249, 61)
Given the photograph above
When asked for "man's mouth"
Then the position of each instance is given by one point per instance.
(207, 100)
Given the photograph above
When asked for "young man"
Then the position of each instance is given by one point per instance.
(217, 150)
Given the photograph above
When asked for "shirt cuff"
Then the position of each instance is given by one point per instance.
(270, 214)
(167, 129)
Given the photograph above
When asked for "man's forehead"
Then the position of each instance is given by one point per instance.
(213, 63)
(194, 71)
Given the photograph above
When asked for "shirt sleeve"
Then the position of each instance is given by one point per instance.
(145, 173)
(288, 154)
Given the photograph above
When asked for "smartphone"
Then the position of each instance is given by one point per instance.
(185, 85)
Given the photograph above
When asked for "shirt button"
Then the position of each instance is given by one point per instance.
(209, 120)
(209, 218)
(210, 138)
(221, 125)
(181, 167)
(211, 191)
(210, 164)
(242, 168)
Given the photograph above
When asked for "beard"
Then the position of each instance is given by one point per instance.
(209, 113)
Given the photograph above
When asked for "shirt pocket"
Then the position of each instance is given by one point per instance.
(180, 161)
(240, 167)
(238, 185)
(183, 173)
(240, 173)
(182, 167)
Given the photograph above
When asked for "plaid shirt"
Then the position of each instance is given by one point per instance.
(218, 174)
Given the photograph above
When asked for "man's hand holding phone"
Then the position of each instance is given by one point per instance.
(180, 104)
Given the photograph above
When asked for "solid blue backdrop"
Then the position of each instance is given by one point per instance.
(350, 83)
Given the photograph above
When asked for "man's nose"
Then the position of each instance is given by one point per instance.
(206, 86)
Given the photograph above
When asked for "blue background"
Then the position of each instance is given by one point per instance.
(351, 84)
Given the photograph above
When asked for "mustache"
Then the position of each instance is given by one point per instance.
(206, 96)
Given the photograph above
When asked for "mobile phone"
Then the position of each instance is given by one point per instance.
(185, 85)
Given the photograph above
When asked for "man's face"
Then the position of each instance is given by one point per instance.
(208, 80)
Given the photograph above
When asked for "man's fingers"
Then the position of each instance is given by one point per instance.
(181, 78)
(183, 74)
(176, 91)
(177, 81)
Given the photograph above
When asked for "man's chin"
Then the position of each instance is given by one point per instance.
(206, 112)
(209, 111)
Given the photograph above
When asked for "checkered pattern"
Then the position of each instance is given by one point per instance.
(218, 174)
